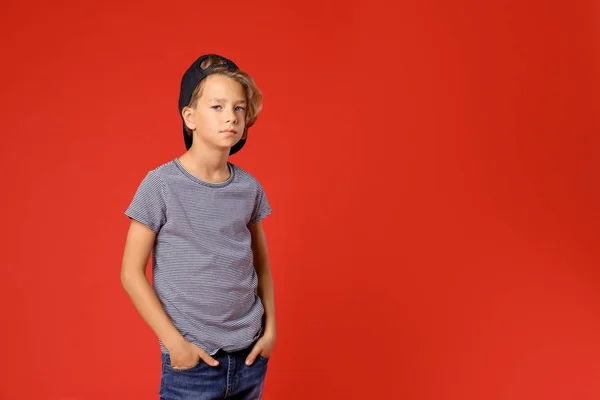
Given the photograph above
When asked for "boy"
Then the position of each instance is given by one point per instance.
(212, 304)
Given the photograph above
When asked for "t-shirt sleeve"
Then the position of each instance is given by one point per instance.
(149, 203)
(262, 208)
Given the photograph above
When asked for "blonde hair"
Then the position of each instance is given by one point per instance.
(253, 94)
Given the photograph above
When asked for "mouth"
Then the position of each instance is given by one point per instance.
(229, 131)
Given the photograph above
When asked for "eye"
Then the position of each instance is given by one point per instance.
(240, 108)
(217, 108)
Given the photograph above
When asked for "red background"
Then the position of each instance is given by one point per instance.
(432, 166)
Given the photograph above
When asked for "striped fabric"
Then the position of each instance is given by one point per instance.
(202, 264)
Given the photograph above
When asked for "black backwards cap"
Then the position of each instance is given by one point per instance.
(191, 78)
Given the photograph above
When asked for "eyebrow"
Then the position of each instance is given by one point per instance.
(225, 101)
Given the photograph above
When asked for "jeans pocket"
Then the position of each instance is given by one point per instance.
(167, 363)
(261, 357)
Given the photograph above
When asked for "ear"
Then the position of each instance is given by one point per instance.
(188, 117)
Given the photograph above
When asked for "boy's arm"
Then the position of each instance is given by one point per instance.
(265, 287)
(140, 240)
(138, 246)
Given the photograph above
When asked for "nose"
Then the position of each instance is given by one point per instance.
(232, 117)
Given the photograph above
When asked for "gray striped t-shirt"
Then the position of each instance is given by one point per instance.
(202, 263)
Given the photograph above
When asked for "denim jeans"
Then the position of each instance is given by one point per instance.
(231, 379)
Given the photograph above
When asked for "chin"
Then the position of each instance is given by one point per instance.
(231, 142)
(226, 147)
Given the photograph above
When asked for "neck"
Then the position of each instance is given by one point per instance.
(209, 165)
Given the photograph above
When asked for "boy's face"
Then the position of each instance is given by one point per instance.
(220, 114)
